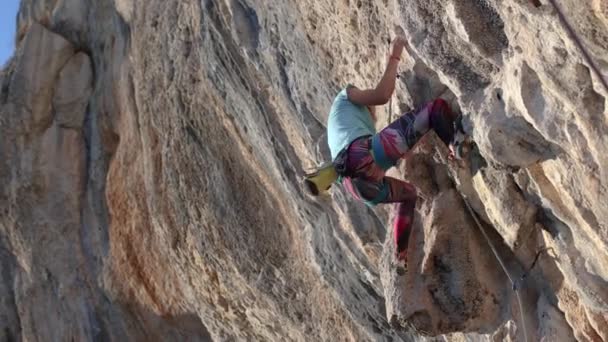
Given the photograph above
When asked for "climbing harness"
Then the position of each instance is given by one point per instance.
(502, 264)
(579, 44)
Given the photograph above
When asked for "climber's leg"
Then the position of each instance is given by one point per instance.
(404, 194)
(441, 120)
(435, 115)
(402, 134)
(389, 190)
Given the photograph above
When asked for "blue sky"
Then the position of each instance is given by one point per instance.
(8, 14)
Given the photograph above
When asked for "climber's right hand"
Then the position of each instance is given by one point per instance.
(397, 46)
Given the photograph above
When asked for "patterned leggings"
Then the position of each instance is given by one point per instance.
(397, 138)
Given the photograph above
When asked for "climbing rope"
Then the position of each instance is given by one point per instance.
(527, 273)
(390, 102)
(579, 43)
(502, 264)
(390, 106)
(390, 111)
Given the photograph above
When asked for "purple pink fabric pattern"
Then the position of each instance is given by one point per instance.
(397, 138)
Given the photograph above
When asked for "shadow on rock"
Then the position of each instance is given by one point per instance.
(453, 282)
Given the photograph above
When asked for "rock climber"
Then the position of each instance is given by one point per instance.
(361, 156)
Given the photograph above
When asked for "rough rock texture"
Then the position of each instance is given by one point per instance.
(445, 275)
(151, 151)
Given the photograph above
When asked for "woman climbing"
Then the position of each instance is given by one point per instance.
(361, 156)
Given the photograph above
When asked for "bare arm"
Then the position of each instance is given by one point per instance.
(382, 93)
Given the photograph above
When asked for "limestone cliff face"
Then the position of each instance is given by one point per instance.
(151, 152)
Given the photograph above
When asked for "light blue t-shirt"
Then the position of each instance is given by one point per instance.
(347, 122)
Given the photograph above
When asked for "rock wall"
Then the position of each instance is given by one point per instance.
(151, 155)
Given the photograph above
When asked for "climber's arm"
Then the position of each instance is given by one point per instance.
(382, 93)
